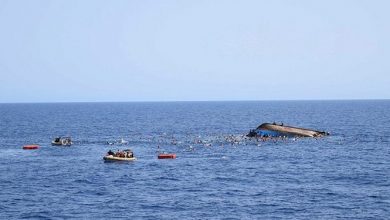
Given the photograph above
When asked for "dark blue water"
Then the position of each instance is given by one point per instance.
(218, 173)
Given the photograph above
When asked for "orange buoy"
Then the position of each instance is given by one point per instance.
(166, 156)
(30, 147)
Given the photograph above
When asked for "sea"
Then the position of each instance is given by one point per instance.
(218, 172)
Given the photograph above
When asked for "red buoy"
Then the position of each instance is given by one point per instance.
(30, 147)
(166, 156)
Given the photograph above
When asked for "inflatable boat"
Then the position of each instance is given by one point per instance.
(30, 147)
(62, 141)
(113, 158)
(166, 156)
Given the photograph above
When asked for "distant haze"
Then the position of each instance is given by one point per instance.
(81, 50)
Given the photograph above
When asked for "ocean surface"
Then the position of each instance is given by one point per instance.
(218, 174)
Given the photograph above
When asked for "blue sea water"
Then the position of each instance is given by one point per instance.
(218, 174)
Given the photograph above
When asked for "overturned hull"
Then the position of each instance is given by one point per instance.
(275, 130)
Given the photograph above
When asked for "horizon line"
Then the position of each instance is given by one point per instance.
(171, 101)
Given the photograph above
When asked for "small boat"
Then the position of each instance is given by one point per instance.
(114, 158)
(62, 141)
(166, 156)
(125, 155)
(30, 147)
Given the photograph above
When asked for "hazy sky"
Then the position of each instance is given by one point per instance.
(80, 50)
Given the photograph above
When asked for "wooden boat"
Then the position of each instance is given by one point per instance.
(280, 130)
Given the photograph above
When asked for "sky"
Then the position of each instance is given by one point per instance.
(199, 50)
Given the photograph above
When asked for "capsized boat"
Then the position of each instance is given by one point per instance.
(281, 130)
(62, 141)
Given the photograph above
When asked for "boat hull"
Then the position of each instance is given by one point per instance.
(112, 158)
(60, 144)
(274, 130)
